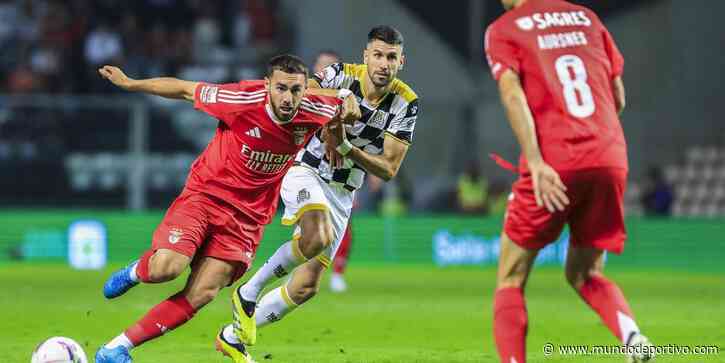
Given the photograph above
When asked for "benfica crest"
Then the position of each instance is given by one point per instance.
(299, 133)
(175, 235)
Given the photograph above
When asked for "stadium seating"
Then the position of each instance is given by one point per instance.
(699, 183)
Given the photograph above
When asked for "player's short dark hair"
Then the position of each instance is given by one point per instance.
(387, 34)
(329, 52)
(287, 63)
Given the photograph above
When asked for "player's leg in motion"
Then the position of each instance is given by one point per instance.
(209, 275)
(316, 234)
(174, 241)
(585, 273)
(153, 267)
(337, 280)
(510, 320)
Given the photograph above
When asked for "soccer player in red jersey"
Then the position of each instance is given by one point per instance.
(559, 74)
(232, 191)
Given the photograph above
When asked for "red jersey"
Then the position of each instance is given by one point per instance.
(252, 150)
(566, 60)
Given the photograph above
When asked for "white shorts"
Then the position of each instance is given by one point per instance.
(304, 190)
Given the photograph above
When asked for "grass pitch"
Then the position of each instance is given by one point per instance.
(390, 314)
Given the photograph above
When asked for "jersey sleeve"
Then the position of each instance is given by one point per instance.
(321, 109)
(222, 101)
(615, 56)
(331, 76)
(501, 52)
(403, 124)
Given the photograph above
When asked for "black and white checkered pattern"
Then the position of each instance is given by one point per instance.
(395, 115)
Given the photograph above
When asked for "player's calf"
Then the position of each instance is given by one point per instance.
(304, 285)
(584, 271)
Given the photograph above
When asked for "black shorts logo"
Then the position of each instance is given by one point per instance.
(303, 195)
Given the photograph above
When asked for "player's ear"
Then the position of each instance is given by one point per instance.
(402, 62)
(266, 83)
(365, 56)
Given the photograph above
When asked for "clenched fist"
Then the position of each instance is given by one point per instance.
(350, 110)
(116, 76)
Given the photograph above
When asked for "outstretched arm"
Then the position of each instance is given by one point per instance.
(167, 87)
(549, 190)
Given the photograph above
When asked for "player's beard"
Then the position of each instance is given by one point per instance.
(380, 84)
(283, 115)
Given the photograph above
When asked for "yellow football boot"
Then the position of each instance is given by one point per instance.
(245, 325)
(238, 352)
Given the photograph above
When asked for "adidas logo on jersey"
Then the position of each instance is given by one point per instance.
(254, 133)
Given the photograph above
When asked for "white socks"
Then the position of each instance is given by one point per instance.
(283, 261)
(627, 326)
(132, 274)
(121, 340)
(273, 307)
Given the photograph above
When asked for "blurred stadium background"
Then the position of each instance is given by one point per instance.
(73, 148)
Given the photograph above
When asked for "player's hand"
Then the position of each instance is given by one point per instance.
(549, 190)
(116, 76)
(350, 111)
(334, 134)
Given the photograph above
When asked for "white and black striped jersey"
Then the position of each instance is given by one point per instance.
(395, 115)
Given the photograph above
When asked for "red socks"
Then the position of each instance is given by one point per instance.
(340, 262)
(607, 299)
(142, 269)
(165, 316)
(510, 324)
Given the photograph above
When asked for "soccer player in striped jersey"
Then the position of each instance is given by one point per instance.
(318, 192)
(337, 280)
(232, 192)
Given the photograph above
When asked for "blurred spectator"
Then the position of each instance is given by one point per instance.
(103, 46)
(9, 20)
(324, 59)
(657, 195)
(56, 46)
(264, 23)
(23, 80)
(242, 29)
(206, 36)
(472, 190)
(498, 198)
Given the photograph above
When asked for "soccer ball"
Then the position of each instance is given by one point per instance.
(59, 350)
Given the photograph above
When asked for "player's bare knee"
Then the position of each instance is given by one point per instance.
(314, 240)
(316, 233)
(164, 267)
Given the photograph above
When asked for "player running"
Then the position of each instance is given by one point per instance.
(559, 76)
(324, 59)
(217, 221)
(318, 192)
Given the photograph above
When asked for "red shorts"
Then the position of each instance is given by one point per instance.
(197, 224)
(595, 214)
